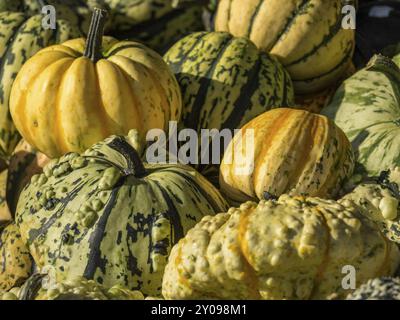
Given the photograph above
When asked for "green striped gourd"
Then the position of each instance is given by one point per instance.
(21, 37)
(15, 260)
(156, 23)
(306, 35)
(24, 163)
(226, 81)
(106, 216)
(367, 108)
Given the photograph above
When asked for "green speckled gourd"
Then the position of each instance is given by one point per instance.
(21, 36)
(367, 108)
(15, 260)
(105, 216)
(379, 197)
(157, 23)
(385, 288)
(37, 287)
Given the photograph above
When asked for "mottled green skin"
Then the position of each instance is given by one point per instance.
(367, 108)
(92, 216)
(378, 289)
(226, 81)
(20, 38)
(153, 22)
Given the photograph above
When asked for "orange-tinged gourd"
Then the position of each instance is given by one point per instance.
(294, 151)
(69, 96)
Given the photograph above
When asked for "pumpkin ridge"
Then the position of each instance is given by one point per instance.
(253, 17)
(309, 142)
(341, 63)
(303, 6)
(333, 32)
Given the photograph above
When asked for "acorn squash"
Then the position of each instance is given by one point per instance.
(69, 96)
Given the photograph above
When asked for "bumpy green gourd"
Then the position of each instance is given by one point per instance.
(105, 216)
(39, 287)
(385, 288)
(289, 248)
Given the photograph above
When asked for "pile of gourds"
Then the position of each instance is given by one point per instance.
(83, 215)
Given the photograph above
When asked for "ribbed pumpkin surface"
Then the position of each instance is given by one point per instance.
(20, 38)
(96, 215)
(306, 36)
(82, 102)
(226, 81)
(367, 108)
(295, 152)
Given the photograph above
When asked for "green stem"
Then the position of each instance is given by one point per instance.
(95, 35)
(385, 65)
(135, 165)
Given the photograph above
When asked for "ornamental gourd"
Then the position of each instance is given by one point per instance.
(158, 24)
(21, 36)
(15, 261)
(306, 36)
(385, 288)
(24, 163)
(226, 81)
(293, 151)
(108, 217)
(69, 96)
(290, 248)
(367, 108)
(76, 289)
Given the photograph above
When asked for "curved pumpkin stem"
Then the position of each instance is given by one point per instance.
(135, 165)
(95, 35)
(386, 65)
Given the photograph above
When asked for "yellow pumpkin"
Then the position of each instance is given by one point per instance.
(70, 96)
(293, 151)
(306, 36)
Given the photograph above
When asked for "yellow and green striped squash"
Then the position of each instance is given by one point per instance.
(106, 216)
(226, 81)
(294, 151)
(305, 35)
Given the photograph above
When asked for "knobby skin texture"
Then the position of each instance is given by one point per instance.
(290, 248)
(104, 216)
